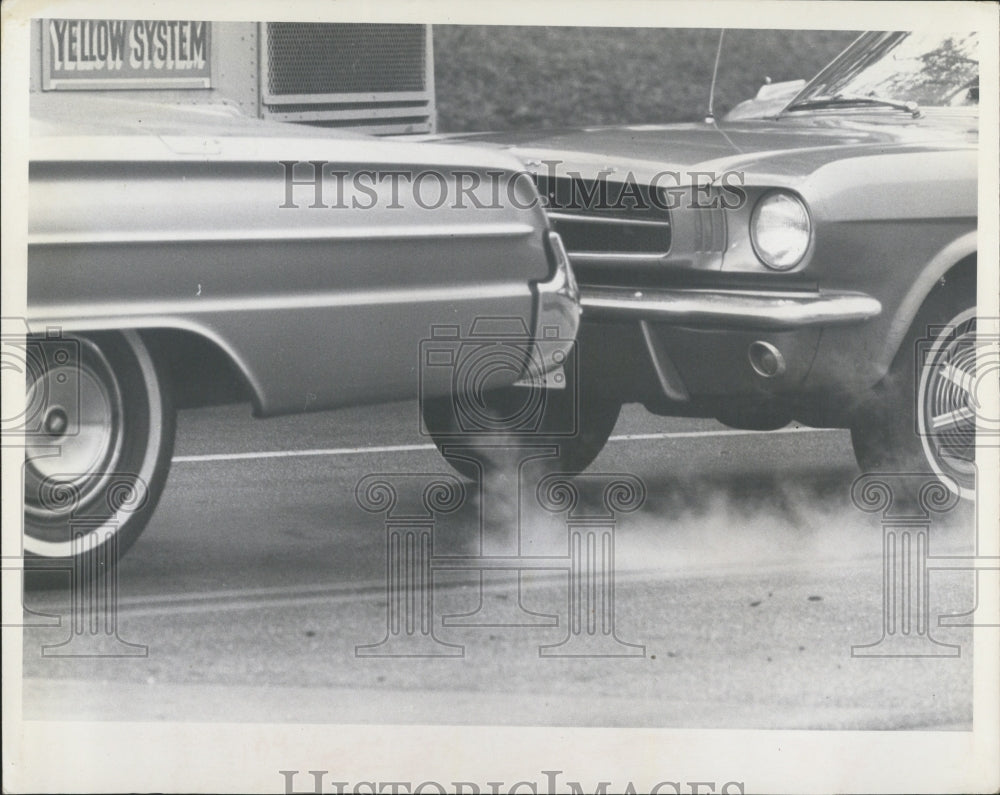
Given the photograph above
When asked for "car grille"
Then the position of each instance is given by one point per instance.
(606, 219)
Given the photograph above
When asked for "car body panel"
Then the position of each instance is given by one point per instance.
(144, 216)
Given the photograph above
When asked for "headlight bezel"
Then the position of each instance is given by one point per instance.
(766, 259)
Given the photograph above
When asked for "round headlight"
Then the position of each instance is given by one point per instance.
(779, 229)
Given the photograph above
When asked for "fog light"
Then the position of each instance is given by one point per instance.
(765, 359)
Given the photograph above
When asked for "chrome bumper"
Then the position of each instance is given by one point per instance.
(728, 308)
(557, 318)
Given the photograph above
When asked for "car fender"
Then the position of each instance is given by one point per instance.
(945, 259)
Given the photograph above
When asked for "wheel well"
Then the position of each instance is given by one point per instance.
(958, 278)
(199, 372)
(962, 273)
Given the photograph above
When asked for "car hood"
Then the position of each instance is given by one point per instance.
(798, 144)
(89, 128)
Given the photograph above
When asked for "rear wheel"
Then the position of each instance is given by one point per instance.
(575, 421)
(922, 418)
(99, 451)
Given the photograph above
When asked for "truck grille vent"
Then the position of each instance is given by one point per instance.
(309, 58)
(371, 77)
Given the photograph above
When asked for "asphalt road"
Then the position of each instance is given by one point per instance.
(741, 585)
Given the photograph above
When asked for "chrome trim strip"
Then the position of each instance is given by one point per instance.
(269, 235)
(600, 257)
(600, 219)
(740, 308)
(63, 314)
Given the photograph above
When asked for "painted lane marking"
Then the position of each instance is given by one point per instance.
(407, 448)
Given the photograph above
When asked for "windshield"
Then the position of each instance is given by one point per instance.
(926, 68)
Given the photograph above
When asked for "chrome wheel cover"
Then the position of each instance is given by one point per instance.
(949, 401)
(70, 464)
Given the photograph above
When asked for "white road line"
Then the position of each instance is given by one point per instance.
(390, 448)
(641, 437)
(407, 448)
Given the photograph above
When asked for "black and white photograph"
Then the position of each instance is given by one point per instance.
(552, 398)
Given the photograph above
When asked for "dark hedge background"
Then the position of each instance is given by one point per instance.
(508, 78)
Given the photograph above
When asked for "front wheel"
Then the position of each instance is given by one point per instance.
(922, 418)
(98, 449)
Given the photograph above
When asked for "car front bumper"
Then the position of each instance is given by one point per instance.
(727, 343)
(728, 308)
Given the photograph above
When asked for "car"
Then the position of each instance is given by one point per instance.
(180, 256)
(810, 258)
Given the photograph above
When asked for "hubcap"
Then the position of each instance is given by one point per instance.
(79, 443)
(950, 400)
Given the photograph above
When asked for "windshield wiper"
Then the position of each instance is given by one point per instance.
(854, 99)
